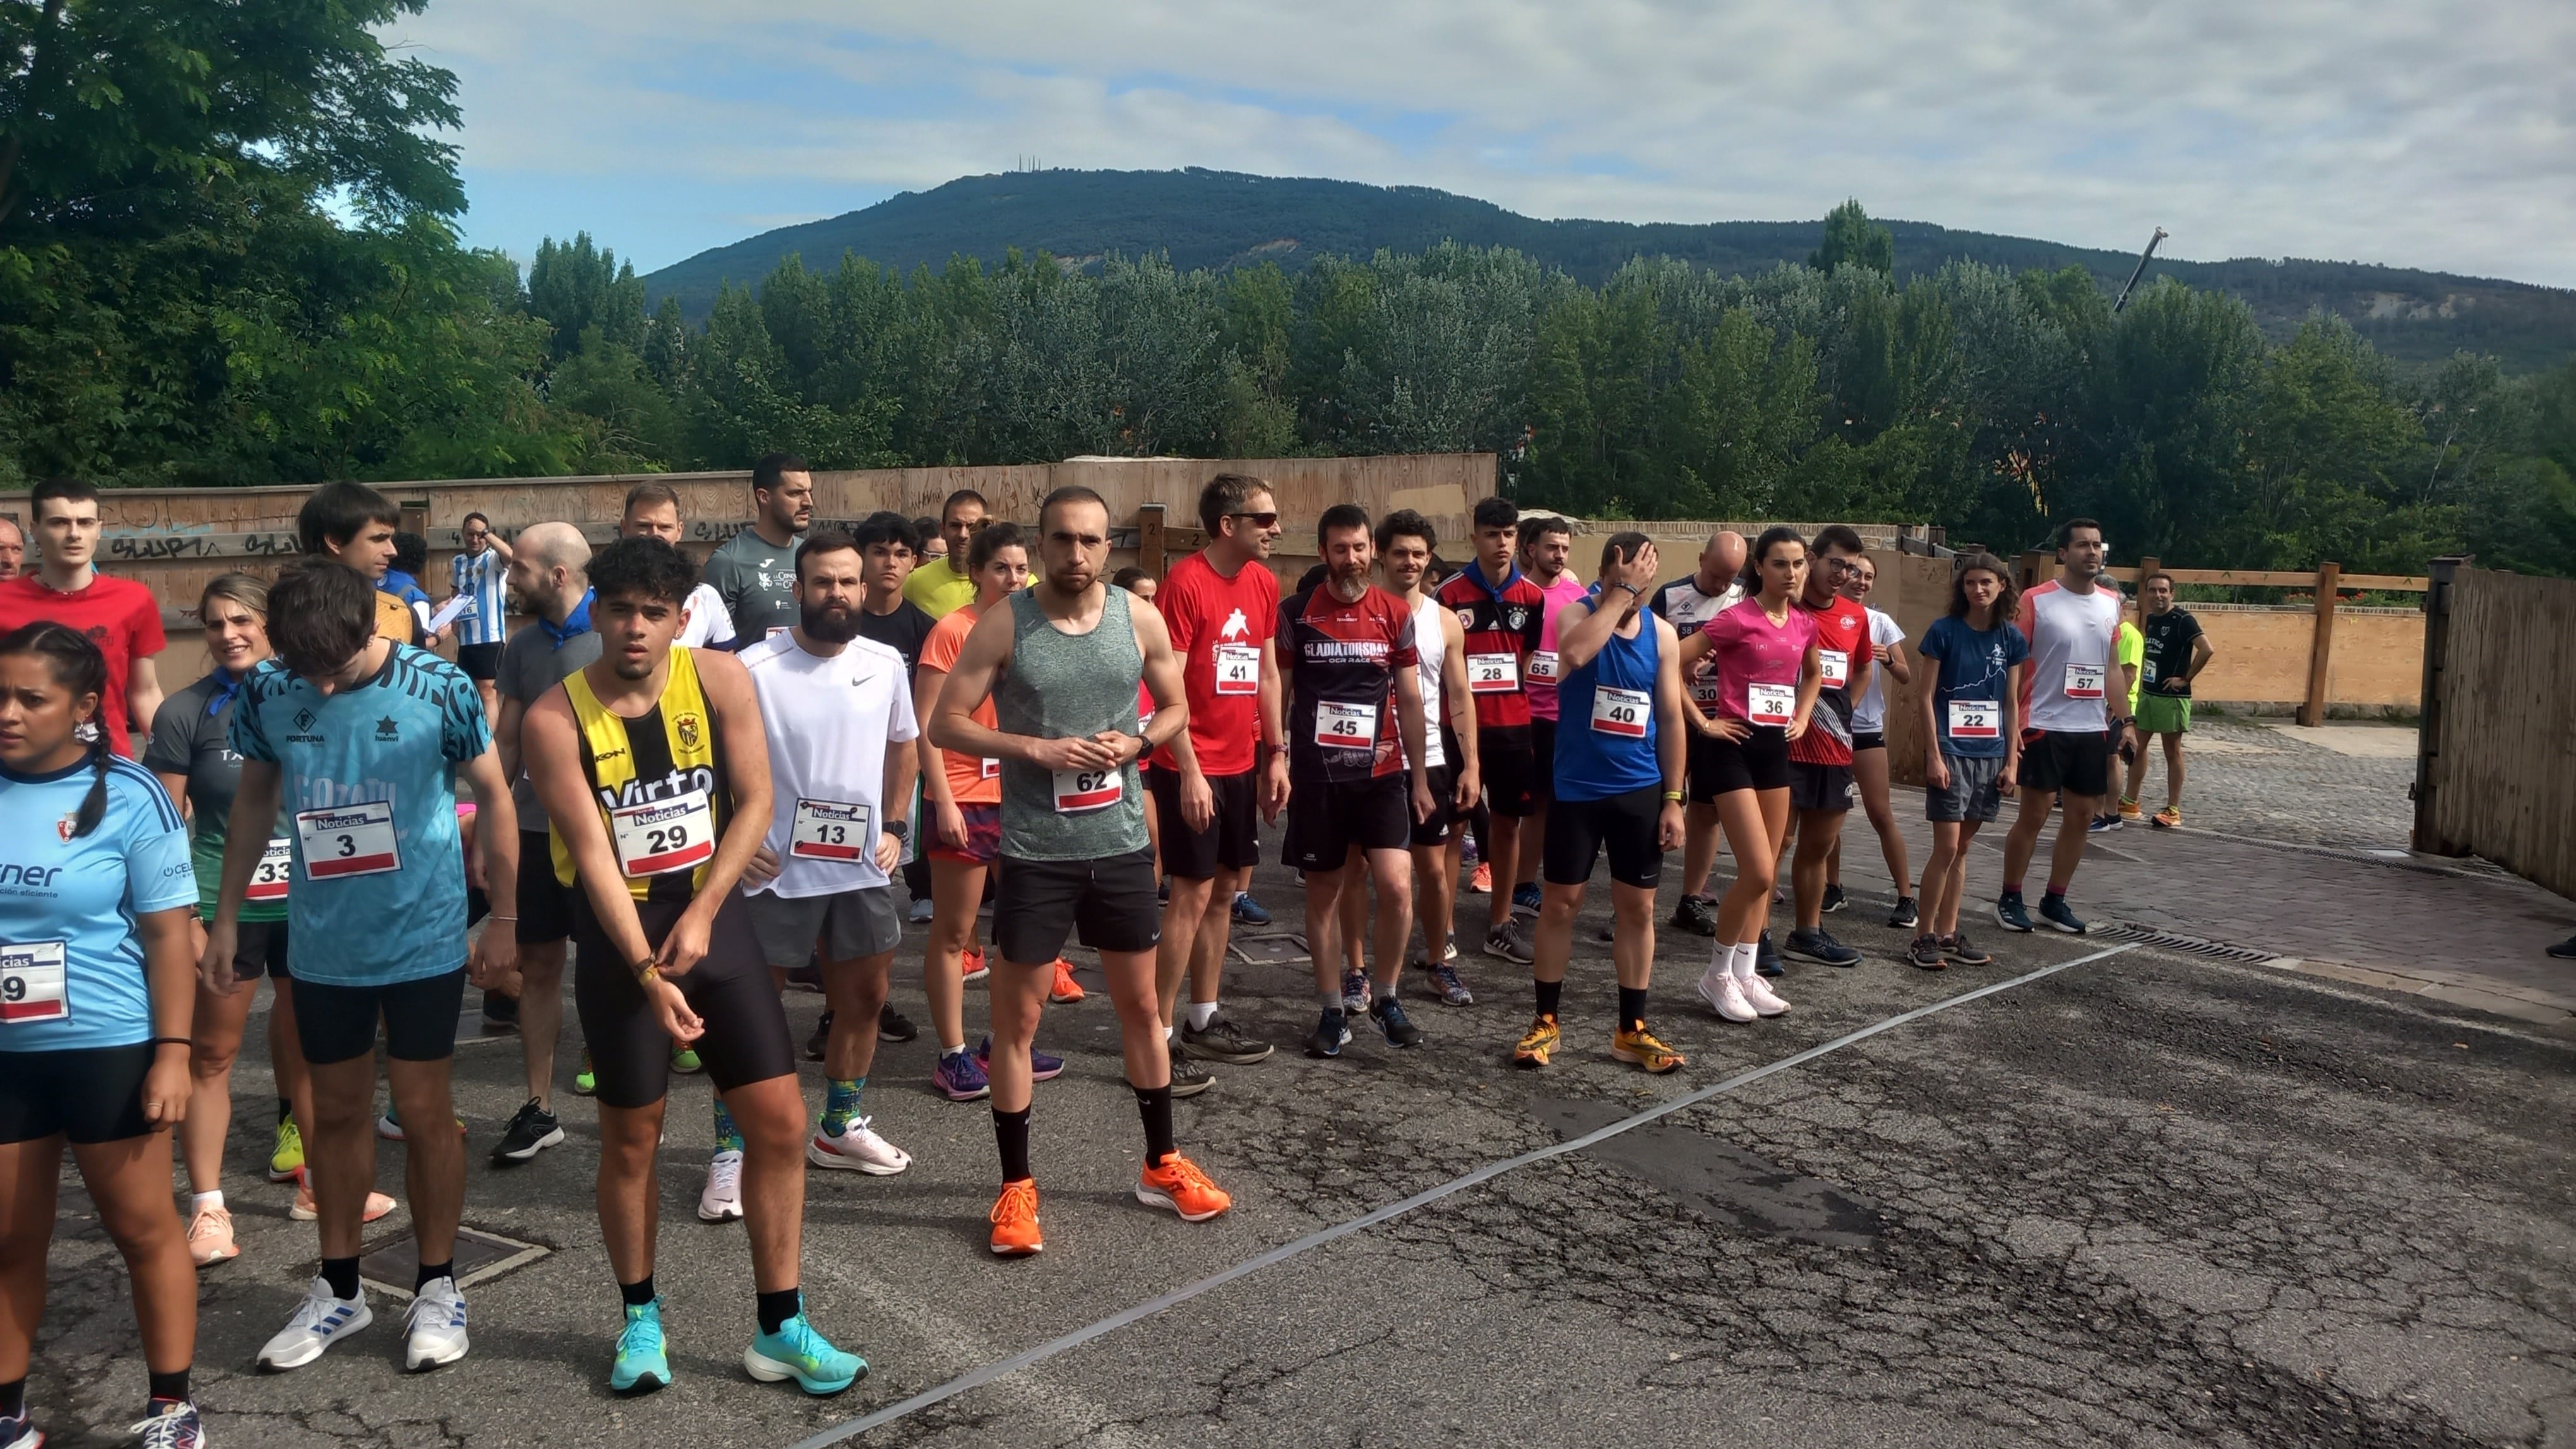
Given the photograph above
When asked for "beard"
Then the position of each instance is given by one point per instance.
(828, 623)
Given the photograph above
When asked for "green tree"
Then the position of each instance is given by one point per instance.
(1852, 239)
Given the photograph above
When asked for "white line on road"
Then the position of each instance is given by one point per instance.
(999, 1368)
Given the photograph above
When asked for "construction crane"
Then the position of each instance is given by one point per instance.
(2144, 257)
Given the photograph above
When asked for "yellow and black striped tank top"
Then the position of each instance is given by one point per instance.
(659, 782)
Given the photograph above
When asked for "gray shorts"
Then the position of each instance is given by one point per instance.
(1975, 791)
(846, 926)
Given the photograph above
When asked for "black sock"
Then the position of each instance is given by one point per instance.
(431, 1272)
(776, 1308)
(342, 1275)
(285, 1109)
(1154, 1104)
(173, 1385)
(1550, 993)
(1011, 1134)
(1632, 1008)
(13, 1398)
(636, 1295)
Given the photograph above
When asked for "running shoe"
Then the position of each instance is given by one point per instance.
(1389, 1015)
(2053, 909)
(18, 1431)
(1066, 990)
(1641, 1048)
(1248, 911)
(434, 1326)
(821, 1038)
(1538, 1043)
(1766, 957)
(1525, 897)
(586, 1081)
(1453, 989)
(1510, 941)
(2110, 820)
(2129, 812)
(1834, 898)
(285, 1159)
(921, 913)
(972, 963)
(1759, 995)
(532, 1131)
(808, 976)
(684, 1060)
(1905, 917)
(304, 1209)
(1188, 1077)
(1725, 995)
(721, 1200)
(1926, 953)
(1467, 852)
(1355, 992)
(2011, 914)
(797, 1352)
(2166, 819)
(960, 1076)
(1042, 1067)
(1221, 1042)
(389, 1124)
(500, 1013)
(1695, 914)
(856, 1148)
(643, 1361)
(320, 1321)
(166, 1424)
(2564, 950)
(1814, 945)
(1177, 1183)
(893, 1025)
(1480, 882)
(1015, 1220)
(1956, 947)
(210, 1237)
(1330, 1036)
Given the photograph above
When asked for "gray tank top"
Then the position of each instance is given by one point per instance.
(1061, 686)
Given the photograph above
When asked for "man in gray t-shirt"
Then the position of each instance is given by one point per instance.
(754, 571)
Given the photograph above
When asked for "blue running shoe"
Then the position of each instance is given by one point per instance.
(1525, 897)
(1331, 1035)
(1389, 1015)
(1766, 958)
(2011, 914)
(2052, 909)
(642, 1365)
(797, 1352)
(960, 1075)
(1042, 1067)
(1248, 911)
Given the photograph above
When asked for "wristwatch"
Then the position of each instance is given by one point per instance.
(899, 829)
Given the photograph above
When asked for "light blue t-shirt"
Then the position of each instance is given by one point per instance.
(71, 966)
(369, 777)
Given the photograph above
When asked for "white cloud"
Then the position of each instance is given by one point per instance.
(2435, 136)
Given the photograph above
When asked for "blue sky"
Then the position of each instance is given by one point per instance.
(2439, 136)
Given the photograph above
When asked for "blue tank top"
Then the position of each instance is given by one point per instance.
(1598, 706)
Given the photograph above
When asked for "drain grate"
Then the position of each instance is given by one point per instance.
(2164, 940)
(390, 1263)
(1275, 947)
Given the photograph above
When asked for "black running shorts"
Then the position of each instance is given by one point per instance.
(2077, 764)
(1759, 761)
(1041, 903)
(87, 1094)
(1327, 822)
(1510, 770)
(1819, 787)
(1443, 822)
(545, 904)
(1577, 830)
(746, 1036)
(1232, 840)
(338, 1023)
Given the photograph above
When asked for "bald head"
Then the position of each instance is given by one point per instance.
(560, 545)
(550, 570)
(1721, 561)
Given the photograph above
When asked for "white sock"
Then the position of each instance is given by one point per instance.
(1745, 956)
(199, 1202)
(1721, 958)
(1202, 1015)
(1171, 1034)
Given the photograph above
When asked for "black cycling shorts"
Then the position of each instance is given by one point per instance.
(1326, 822)
(1510, 771)
(1577, 830)
(1542, 761)
(338, 1023)
(746, 1036)
(1759, 761)
(1442, 826)
(1868, 740)
(259, 950)
(1232, 840)
(87, 1094)
(545, 903)
(1041, 903)
(2055, 760)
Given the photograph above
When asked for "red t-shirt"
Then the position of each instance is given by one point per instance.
(1218, 626)
(1842, 638)
(1341, 659)
(120, 616)
(1501, 625)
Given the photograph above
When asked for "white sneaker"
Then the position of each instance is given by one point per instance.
(434, 1328)
(1759, 995)
(722, 1201)
(857, 1149)
(1726, 998)
(320, 1321)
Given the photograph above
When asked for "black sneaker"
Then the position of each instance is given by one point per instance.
(1820, 948)
(531, 1132)
(1331, 1035)
(500, 1013)
(1766, 957)
(2103, 823)
(2565, 950)
(1956, 947)
(807, 977)
(1833, 897)
(1222, 1043)
(2011, 914)
(1904, 917)
(822, 1036)
(2052, 909)
(1188, 1077)
(1926, 953)
(893, 1025)
(1389, 1015)
(1695, 914)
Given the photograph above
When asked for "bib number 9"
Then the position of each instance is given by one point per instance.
(31, 983)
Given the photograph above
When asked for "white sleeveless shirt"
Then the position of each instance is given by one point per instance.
(1433, 649)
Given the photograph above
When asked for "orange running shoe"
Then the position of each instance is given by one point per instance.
(970, 965)
(1015, 1220)
(1640, 1048)
(1179, 1185)
(305, 1211)
(1066, 990)
(210, 1237)
(1481, 883)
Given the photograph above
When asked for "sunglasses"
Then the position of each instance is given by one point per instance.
(1259, 520)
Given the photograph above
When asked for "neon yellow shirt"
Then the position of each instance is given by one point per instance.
(2132, 652)
(939, 589)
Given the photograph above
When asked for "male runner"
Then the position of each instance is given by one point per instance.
(2069, 727)
(355, 524)
(1500, 610)
(1618, 781)
(1221, 606)
(1869, 749)
(832, 703)
(1547, 542)
(653, 511)
(550, 575)
(1405, 545)
(754, 572)
(1348, 655)
(1688, 604)
(120, 616)
(2177, 650)
(891, 550)
(13, 549)
(361, 738)
(1820, 761)
(480, 575)
(654, 768)
(941, 586)
(1060, 664)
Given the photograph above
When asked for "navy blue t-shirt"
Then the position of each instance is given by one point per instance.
(1975, 664)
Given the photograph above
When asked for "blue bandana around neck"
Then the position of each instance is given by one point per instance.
(1475, 569)
(227, 685)
(574, 626)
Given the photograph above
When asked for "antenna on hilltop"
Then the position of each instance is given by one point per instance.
(2143, 258)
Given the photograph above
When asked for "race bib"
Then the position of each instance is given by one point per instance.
(348, 840)
(660, 837)
(1345, 726)
(1976, 719)
(989, 770)
(1704, 691)
(1079, 792)
(1238, 669)
(1770, 704)
(1837, 667)
(2083, 681)
(1620, 712)
(2147, 672)
(1492, 674)
(1542, 666)
(31, 983)
(830, 830)
(276, 867)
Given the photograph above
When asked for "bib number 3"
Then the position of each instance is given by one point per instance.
(348, 840)
(31, 983)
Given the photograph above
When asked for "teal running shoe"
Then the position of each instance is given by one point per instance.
(797, 1352)
(642, 1366)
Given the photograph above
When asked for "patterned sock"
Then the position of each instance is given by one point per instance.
(728, 1136)
(840, 1103)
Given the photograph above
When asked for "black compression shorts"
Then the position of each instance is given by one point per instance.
(746, 1037)
(88, 1094)
(338, 1023)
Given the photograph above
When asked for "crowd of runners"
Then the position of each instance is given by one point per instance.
(691, 785)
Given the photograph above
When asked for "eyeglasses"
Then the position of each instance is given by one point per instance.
(1259, 520)
(976, 526)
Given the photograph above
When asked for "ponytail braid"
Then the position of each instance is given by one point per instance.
(78, 666)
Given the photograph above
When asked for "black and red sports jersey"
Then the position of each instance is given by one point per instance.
(1340, 661)
(1502, 627)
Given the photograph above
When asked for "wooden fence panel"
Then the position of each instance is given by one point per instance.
(2500, 761)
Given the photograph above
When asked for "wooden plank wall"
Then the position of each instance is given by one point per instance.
(2502, 774)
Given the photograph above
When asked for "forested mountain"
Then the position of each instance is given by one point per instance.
(1221, 219)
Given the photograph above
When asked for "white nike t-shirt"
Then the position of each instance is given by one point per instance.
(828, 721)
(2073, 669)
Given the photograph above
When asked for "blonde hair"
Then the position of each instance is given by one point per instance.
(248, 590)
